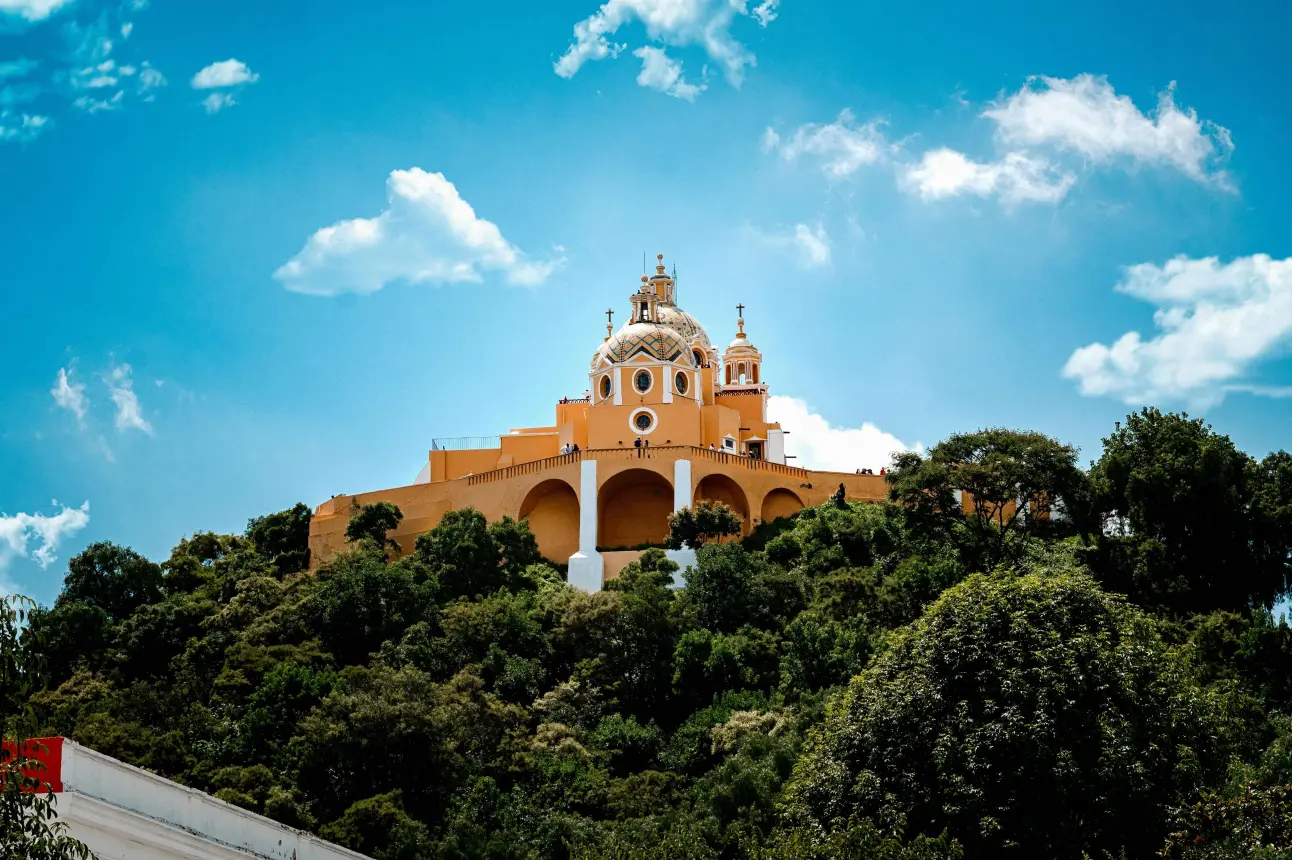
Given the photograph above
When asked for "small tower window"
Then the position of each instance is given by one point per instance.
(605, 386)
(680, 383)
(642, 380)
(645, 312)
(699, 357)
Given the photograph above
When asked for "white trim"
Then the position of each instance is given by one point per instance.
(666, 370)
(596, 386)
(632, 419)
(619, 386)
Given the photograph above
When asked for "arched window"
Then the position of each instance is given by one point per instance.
(698, 356)
(755, 372)
(642, 380)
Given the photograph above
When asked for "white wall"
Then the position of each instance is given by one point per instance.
(124, 813)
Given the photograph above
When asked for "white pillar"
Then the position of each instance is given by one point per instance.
(668, 384)
(619, 386)
(685, 557)
(586, 566)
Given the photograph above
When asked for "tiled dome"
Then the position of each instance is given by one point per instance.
(658, 342)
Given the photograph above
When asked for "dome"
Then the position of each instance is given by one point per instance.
(659, 342)
(741, 344)
(683, 323)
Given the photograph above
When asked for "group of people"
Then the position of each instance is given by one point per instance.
(567, 448)
(641, 445)
(882, 471)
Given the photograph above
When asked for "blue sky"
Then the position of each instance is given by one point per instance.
(939, 217)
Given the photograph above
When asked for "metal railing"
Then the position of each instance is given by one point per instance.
(466, 443)
(634, 453)
(524, 468)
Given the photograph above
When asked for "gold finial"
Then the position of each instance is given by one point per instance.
(659, 269)
(740, 320)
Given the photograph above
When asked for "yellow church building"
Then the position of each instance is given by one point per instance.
(666, 420)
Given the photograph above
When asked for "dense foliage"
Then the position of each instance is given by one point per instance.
(1074, 664)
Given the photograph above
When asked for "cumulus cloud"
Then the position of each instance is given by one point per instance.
(1086, 116)
(37, 536)
(225, 78)
(129, 412)
(427, 235)
(676, 23)
(660, 72)
(1215, 322)
(70, 395)
(226, 73)
(1015, 178)
(817, 444)
(31, 10)
(841, 147)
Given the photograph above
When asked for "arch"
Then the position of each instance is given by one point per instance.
(755, 373)
(721, 488)
(633, 509)
(780, 503)
(552, 508)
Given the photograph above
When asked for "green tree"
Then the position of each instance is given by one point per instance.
(1028, 716)
(1254, 825)
(29, 825)
(1016, 482)
(283, 538)
(702, 523)
(371, 523)
(463, 555)
(1191, 523)
(116, 579)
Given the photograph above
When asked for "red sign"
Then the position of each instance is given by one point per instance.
(42, 760)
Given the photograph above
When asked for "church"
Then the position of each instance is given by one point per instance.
(666, 420)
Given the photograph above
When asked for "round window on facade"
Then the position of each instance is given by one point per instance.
(680, 383)
(642, 421)
(642, 380)
(605, 386)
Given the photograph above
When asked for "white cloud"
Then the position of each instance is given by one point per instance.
(129, 413)
(70, 395)
(842, 147)
(21, 127)
(1015, 178)
(31, 10)
(226, 73)
(216, 102)
(20, 531)
(1084, 115)
(765, 12)
(809, 244)
(678, 23)
(660, 72)
(19, 68)
(817, 444)
(429, 234)
(1215, 323)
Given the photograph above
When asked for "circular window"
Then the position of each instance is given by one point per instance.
(605, 386)
(642, 422)
(680, 383)
(642, 380)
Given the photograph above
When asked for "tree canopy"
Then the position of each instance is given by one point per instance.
(1015, 659)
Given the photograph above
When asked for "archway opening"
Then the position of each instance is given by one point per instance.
(780, 503)
(633, 510)
(552, 509)
(720, 488)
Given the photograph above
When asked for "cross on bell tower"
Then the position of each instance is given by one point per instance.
(610, 325)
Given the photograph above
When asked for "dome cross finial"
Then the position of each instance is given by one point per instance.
(740, 319)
